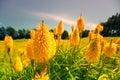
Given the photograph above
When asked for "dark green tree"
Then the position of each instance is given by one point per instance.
(65, 35)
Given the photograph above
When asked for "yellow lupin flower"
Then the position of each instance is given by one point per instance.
(75, 38)
(71, 36)
(60, 27)
(32, 34)
(55, 31)
(93, 50)
(118, 43)
(20, 51)
(109, 49)
(42, 76)
(72, 28)
(18, 65)
(9, 44)
(30, 52)
(26, 62)
(44, 44)
(90, 35)
(80, 23)
(103, 43)
(98, 28)
(104, 77)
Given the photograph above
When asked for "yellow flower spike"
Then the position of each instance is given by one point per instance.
(110, 49)
(98, 28)
(30, 52)
(32, 34)
(75, 40)
(55, 31)
(60, 27)
(9, 45)
(103, 43)
(26, 62)
(118, 43)
(93, 50)
(71, 36)
(20, 51)
(44, 44)
(104, 77)
(72, 28)
(18, 65)
(90, 35)
(80, 23)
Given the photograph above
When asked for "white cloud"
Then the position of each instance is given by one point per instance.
(68, 21)
(54, 17)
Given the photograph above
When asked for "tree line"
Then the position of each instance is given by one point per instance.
(16, 34)
(112, 26)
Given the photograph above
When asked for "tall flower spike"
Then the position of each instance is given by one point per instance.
(75, 38)
(71, 36)
(110, 49)
(9, 45)
(98, 28)
(81, 23)
(93, 50)
(90, 35)
(44, 44)
(55, 31)
(18, 65)
(60, 27)
(118, 43)
(32, 34)
(72, 28)
(30, 52)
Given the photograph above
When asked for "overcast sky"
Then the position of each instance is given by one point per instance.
(29, 13)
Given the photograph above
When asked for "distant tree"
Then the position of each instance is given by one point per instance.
(11, 31)
(85, 33)
(20, 34)
(2, 33)
(65, 35)
(27, 34)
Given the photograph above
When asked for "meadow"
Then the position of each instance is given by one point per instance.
(62, 66)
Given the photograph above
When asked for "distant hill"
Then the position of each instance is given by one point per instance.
(112, 26)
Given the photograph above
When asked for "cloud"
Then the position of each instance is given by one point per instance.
(68, 20)
(54, 17)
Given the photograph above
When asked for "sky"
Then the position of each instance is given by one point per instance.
(28, 14)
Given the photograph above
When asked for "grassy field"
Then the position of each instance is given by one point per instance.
(60, 67)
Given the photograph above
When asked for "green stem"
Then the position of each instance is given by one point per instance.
(72, 55)
(88, 69)
(103, 63)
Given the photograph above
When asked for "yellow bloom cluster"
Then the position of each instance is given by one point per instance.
(32, 34)
(30, 52)
(18, 65)
(80, 23)
(109, 49)
(20, 51)
(104, 77)
(74, 37)
(98, 28)
(55, 31)
(72, 28)
(9, 44)
(93, 50)
(118, 43)
(60, 27)
(42, 76)
(44, 44)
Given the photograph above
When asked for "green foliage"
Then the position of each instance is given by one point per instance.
(61, 67)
